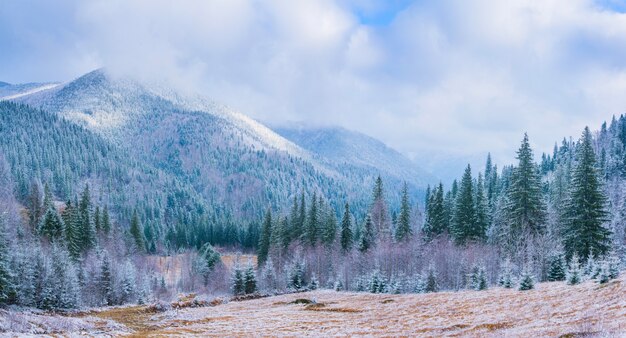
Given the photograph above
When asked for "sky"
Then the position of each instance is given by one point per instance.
(429, 78)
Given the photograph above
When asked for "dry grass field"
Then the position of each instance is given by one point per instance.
(551, 310)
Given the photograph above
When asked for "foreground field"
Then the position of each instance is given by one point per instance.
(553, 309)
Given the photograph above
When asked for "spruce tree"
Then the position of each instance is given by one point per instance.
(312, 223)
(238, 284)
(51, 225)
(525, 210)
(346, 229)
(71, 218)
(505, 279)
(136, 233)
(431, 284)
(106, 221)
(296, 276)
(404, 230)
(586, 212)
(556, 272)
(482, 211)
(367, 237)
(87, 228)
(249, 281)
(527, 281)
(437, 221)
(464, 220)
(105, 280)
(574, 273)
(329, 232)
(264, 239)
(379, 212)
(6, 284)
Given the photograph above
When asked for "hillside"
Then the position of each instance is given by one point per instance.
(230, 159)
(551, 310)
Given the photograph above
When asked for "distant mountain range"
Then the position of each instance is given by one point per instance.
(229, 159)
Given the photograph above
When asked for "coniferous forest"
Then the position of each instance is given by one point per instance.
(84, 224)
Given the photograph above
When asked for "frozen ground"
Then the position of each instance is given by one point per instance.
(551, 310)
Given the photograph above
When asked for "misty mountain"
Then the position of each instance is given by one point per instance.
(349, 149)
(228, 158)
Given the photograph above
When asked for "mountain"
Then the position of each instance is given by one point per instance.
(346, 148)
(231, 160)
(10, 91)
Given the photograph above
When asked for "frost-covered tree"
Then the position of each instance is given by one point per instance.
(557, 269)
(526, 211)
(464, 220)
(574, 273)
(527, 281)
(430, 280)
(237, 281)
(505, 279)
(136, 233)
(346, 229)
(436, 216)
(478, 278)
(6, 282)
(249, 280)
(403, 230)
(368, 236)
(295, 278)
(51, 225)
(586, 212)
(265, 239)
(105, 280)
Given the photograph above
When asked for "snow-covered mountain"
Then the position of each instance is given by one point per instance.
(229, 158)
(349, 148)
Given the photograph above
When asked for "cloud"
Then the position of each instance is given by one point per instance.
(450, 76)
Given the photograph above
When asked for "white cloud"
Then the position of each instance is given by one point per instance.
(459, 76)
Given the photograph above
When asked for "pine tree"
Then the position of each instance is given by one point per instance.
(367, 237)
(105, 280)
(464, 219)
(586, 208)
(527, 281)
(379, 212)
(506, 275)
(481, 207)
(329, 232)
(296, 276)
(312, 223)
(6, 284)
(346, 229)
(238, 284)
(249, 281)
(525, 210)
(87, 228)
(106, 221)
(574, 274)
(265, 239)
(51, 225)
(478, 278)
(431, 284)
(404, 230)
(437, 221)
(556, 271)
(136, 233)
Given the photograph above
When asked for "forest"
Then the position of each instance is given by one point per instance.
(82, 222)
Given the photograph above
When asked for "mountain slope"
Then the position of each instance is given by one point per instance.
(230, 159)
(349, 148)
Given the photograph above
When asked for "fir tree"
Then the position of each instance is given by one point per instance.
(312, 223)
(431, 284)
(265, 239)
(464, 220)
(330, 229)
(556, 271)
(346, 229)
(404, 230)
(136, 233)
(296, 276)
(437, 221)
(71, 218)
(106, 221)
(574, 274)
(367, 237)
(506, 275)
(249, 280)
(238, 283)
(105, 280)
(379, 212)
(478, 278)
(87, 228)
(525, 210)
(51, 225)
(481, 207)
(527, 281)
(586, 208)
(6, 285)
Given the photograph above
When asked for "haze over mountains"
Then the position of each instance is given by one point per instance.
(225, 156)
